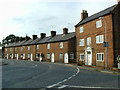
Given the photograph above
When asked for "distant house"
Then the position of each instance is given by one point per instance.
(90, 37)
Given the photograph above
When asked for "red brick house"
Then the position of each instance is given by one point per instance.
(90, 37)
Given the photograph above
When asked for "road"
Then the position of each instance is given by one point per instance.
(35, 74)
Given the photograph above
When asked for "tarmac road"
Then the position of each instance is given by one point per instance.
(35, 74)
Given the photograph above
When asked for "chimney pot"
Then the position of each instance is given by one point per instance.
(53, 33)
(65, 30)
(84, 14)
(42, 35)
(34, 37)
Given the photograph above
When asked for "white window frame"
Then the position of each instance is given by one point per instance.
(99, 39)
(15, 55)
(15, 49)
(10, 49)
(89, 41)
(101, 57)
(61, 56)
(6, 49)
(28, 47)
(71, 55)
(61, 44)
(21, 48)
(48, 55)
(81, 42)
(80, 56)
(48, 46)
(81, 29)
(28, 55)
(37, 47)
(98, 23)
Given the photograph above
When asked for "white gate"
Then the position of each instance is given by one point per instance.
(66, 58)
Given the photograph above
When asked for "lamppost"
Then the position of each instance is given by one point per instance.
(105, 43)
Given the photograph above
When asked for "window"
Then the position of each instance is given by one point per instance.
(10, 49)
(61, 45)
(81, 43)
(6, 49)
(61, 55)
(15, 55)
(37, 47)
(99, 24)
(89, 41)
(48, 55)
(71, 55)
(28, 47)
(81, 29)
(81, 57)
(15, 49)
(21, 48)
(48, 46)
(99, 39)
(28, 55)
(37, 55)
(100, 56)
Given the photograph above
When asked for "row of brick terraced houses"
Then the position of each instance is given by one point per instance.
(84, 46)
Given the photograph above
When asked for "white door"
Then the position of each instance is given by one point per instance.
(66, 58)
(40, 57)
(12, 56)
(7, 56)
(52, 57)
(31, 57)
(89, 58)
(24, 56)
(17, 56)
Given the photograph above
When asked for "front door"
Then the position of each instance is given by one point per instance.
(66, 58)
(31, 57)
(17, 56)
(52, 57)
(40, 57)
(7, 56)
(89, 58)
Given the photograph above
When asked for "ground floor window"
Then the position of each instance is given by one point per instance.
(48, 55)
(15, 55)
(100, 56)
(28, 55)
(61, 56)
(71, 55)
(37, 55)
(81, 56)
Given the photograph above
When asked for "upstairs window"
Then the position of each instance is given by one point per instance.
(48, 46)
(61, 45)
(37, 47)
(89, 41)
(15, 49)
(99, 39)
(99, 24)
(81, 42)
(81, 29)
(6, 49)
(71, 55)
(10, 49)
(21, 48)
(28, 47)
(61, 56)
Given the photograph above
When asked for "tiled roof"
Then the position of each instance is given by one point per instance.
(34, 41)
(57, 38)
(11, 44)
(20, 43)
(97, 15)
(27, 42)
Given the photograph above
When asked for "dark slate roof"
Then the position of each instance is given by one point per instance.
(34, 41)
(11, 44)
(57, 38)
(20, 43)
(97, 15)
(27, 42)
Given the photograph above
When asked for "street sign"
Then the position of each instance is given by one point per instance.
(105, 44)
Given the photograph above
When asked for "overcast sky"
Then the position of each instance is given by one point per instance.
(21, 17)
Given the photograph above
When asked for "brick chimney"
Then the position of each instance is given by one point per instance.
(84, 14)
(34, 37)
(53, 33)
(27, 38)
(42, 35)
(65, 30)
(118, 1)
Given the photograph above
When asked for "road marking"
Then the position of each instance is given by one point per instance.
(63, 86)
(78, 70)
